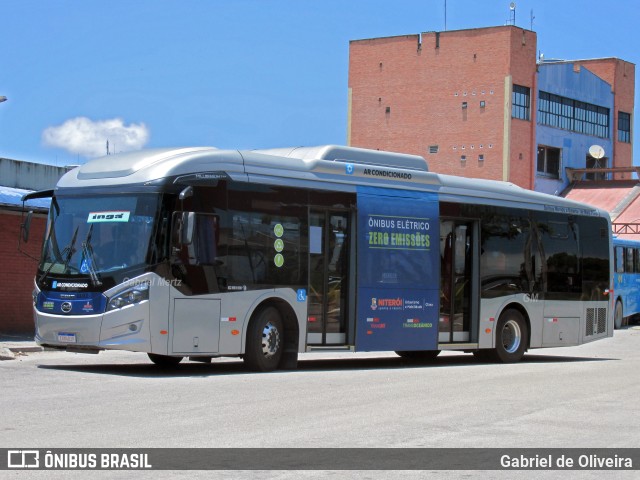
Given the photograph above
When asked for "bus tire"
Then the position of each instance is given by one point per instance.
(265, 341)
(511, 337)
(617, 316)
(164, 361)
(418, 355)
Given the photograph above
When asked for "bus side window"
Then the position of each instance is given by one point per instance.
(560, 243)
(203, 250)
(628, 260)
(200, 247)
(619, 257)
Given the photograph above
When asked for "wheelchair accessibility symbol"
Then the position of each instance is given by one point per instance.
(349, 168)
(302, 295)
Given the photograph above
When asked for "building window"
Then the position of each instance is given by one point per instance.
(596, 163)
(520, 102)
(624, 127)
(549, 162)
(574, 115)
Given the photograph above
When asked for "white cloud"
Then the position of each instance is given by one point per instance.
(85, 137)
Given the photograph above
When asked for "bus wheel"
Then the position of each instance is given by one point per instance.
(265, 341)
(511, 337)
(617, 316)
(418, 355)
(164, 361)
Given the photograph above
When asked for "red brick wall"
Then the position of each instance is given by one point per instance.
(18, 271)
(624, 89)
(621, 75)
(407, 95)
(523, 70)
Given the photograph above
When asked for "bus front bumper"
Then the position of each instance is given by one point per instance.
(122, 329)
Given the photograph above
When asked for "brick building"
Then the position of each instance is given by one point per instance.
(477, 103)
(19, 268)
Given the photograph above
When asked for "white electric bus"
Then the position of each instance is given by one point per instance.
(204, 253)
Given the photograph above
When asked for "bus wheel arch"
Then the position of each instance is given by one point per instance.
(289, 360)
(512, 335)
(271, 339)
(618, 315)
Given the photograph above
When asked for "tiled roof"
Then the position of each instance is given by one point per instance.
(622, 201)
(606, 198)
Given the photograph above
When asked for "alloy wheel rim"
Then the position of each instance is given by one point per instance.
(270, 340)
(511, 336)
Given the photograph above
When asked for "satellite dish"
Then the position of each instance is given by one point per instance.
(596, 151)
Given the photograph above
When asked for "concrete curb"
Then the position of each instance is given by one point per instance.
(9, 350)
(6, 354)
(25, 348)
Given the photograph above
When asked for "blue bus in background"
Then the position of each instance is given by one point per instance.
(626, 282)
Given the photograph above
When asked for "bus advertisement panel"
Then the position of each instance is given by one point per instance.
(398, 270)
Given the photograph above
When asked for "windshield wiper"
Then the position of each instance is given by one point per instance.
(67, 252)
(70, 249)
(90, 259)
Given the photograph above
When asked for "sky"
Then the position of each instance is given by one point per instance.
(237, 74)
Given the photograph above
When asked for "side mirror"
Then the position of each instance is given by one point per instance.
(186, 193)
(187, 227)
(26, 226)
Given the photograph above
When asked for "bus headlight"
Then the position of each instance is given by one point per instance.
(130, 296)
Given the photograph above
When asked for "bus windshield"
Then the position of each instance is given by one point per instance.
(89, 235)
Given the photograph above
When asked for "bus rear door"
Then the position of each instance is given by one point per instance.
(329, 245)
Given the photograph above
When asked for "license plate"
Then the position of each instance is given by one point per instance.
(67, 337)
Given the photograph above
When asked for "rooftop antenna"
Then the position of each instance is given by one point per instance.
(532, 18)
(512, 13)
(445, 15)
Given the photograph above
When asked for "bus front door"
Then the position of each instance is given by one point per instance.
(328, 277)
(457, 285)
